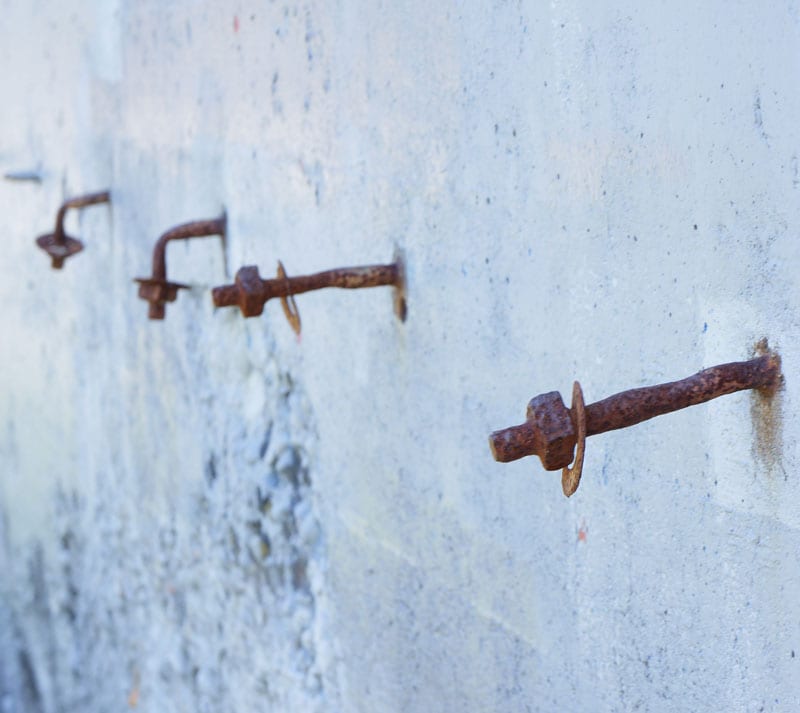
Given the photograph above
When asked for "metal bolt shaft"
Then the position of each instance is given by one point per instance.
(78, 202)
(157, 289)
(186, 231)
(250, 292)
(350, 278)
(550, 429)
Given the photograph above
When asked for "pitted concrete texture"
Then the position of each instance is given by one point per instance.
(210, 514)
(207, 604)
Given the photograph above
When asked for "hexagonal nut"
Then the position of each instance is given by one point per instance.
(555, 434)
(251, 291)
(149, 291)
(158, 291)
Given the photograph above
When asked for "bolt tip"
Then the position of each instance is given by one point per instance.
(510, 444)
(225, 296)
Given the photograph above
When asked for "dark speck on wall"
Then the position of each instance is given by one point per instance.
(211, 469)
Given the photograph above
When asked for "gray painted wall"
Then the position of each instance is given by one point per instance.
(209, 514)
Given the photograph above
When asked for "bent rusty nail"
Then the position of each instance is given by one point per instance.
(157, 289)
(552, 431)
(58, 245)
(250, 292)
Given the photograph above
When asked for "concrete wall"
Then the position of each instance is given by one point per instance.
(208, 514)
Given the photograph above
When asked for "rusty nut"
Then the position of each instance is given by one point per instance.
(554, 432)
(251, 292)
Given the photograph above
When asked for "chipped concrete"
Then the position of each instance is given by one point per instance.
(208, 514)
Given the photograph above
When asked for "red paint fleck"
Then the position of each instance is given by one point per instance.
(583, 532)
(235, 23)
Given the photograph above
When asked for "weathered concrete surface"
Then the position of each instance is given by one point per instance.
(209, 515)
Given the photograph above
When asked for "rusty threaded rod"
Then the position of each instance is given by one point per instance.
(636, 405)
(250, 292)
(350, 278)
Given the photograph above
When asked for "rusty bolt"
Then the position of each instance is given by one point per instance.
(158, 290)
(250, 292)
(552, 431)
(58, 245)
